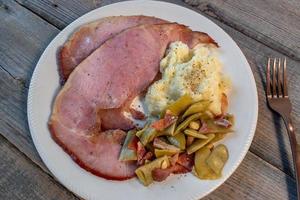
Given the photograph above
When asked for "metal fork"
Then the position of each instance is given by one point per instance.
(278, 100)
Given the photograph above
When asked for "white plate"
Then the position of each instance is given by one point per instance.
(45, 84)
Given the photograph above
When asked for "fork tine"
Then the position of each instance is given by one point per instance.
(279, 79)
(285, 89)
(268, 78)
(274, 80)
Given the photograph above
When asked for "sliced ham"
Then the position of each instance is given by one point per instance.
(90, 36)
(95, 153)
(122, 67)
(114, 119)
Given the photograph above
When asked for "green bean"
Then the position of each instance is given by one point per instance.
(202, 170)
(180, 105)
(165, 152)
(218, 137)
(161, 143)
(194, 133)
(187, 121)
(198, 144)
(197, 107)
(178, 140)
(144, 173)
(170, 130)
(217, 159)
(126, 153)
(147, 134)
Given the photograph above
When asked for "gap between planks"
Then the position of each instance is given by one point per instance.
(34, 165)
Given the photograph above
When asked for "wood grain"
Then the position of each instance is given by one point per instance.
(63, 12)
(272, 22)
(24, 36)
(21, 179)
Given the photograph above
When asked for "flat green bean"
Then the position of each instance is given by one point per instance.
(198, 144)
(197, 107)
(126, 153)
(194, 133)
(202, 170)
(178, 140)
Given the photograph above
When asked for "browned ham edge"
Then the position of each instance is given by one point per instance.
(121, 68)
(90, 36)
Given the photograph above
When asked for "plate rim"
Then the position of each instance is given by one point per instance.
(81, 193)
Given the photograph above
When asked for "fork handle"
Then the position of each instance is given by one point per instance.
(295, 151)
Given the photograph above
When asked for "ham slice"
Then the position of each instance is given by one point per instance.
(90, 36)
(122, 67)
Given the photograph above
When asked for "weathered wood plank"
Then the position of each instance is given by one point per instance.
(61, 13)
(23, 38)
(272, 22)
(21, 179)
(13, 115)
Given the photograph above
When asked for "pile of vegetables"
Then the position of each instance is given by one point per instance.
(181, 140)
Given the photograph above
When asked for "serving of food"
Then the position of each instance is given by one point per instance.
(118, 59)
(140, 100)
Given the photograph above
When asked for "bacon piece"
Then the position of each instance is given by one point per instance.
(204, 127)
(158, 143)
(141, 151)
(142, 154)
(179, 169)
(223, 122)
(185, 160)
(165, 122)
(148, 156)
(136, 114)
(159, 174)
(133, 144)
(189, 140)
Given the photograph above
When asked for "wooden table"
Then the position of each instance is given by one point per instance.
(260, 28)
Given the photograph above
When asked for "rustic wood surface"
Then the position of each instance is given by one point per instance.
(26, 27)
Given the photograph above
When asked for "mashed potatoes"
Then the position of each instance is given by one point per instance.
(196, 72)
